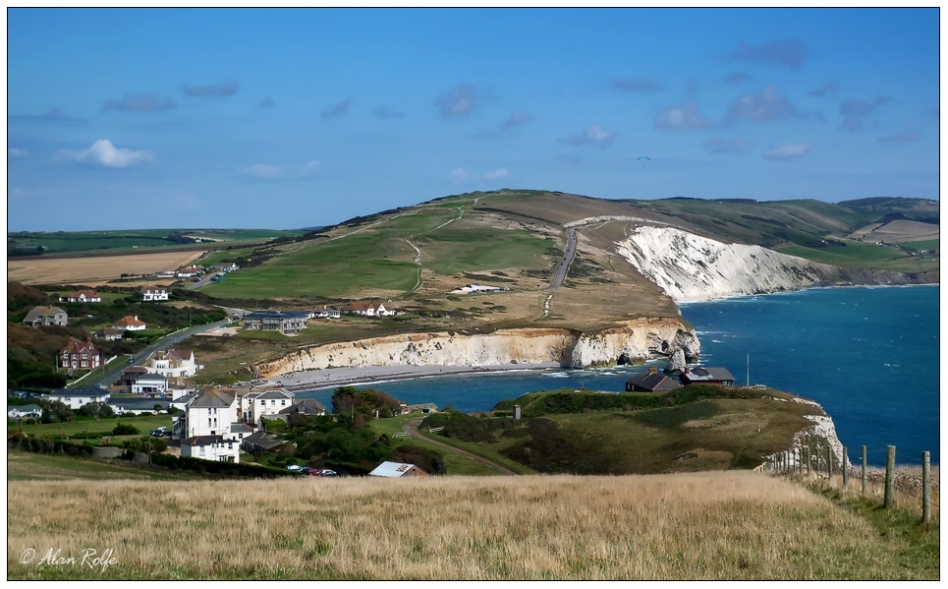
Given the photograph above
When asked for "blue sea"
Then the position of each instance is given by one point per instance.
(868, 355)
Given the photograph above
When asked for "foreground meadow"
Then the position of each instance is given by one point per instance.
(723, 525)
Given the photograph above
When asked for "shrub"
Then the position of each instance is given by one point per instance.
(125, 429)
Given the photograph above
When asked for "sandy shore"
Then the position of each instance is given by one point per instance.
(334, 377)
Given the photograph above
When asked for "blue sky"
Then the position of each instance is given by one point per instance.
(121, 119)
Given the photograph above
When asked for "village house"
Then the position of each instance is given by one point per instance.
(79, 356)
(81, 296)
(76, 397)
(173, 363)
(137, 406)
(47, 315)
(326, 313)
(713, 376)
(189, 272)
(308, 407)
(138, 380)
(286, 322)
(211, 414)
(109, 334)
(261, 442)
(155, 293)
(25, 412)
(212, 447)
(397, 470)
(258, 404)
(168, 274)
(651, 382)
(129, 323)
(367, 309)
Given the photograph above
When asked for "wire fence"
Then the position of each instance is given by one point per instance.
(913, 482)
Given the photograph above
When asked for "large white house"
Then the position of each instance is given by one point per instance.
(79, 396)
(211, 414)
(25, 411)
(155, 293)
(211, 448)
(173, 363)
(257, 404)
(138, 380)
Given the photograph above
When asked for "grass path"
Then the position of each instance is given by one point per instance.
(411, 428)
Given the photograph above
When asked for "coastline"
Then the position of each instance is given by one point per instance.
(335, 377)
(712, 299)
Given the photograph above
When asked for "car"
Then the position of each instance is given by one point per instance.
(327, 473)
(195, 279)
(294, 467)
(159, 432)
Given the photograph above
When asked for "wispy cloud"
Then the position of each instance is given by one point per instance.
(458, 175)
(266, 103)
(517, 118)
(499, 173)
(902, 137)
(16, 152)
(788, 151)
(827, 88)
(766, 105)
(104, 154)
(265, 171)
(637, 85)
(786, 52)
(684, 117)
(279, 172)
(855, 110)
(735, 78)
(383, 112)
(722, 146)
(459, 101)
(595, 135)
(54, 116)
(140, 103)
(337, 110)
(228, 88)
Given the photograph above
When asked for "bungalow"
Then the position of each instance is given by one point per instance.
(79, 356)
(47, 315)
(168, 274)
(213, 447)
(129, 323)
(109, 334)
(78, 396)
(286, 322)
(326, 313)
(137, 405)
(397, 470)
(189, 272)
(713, 376)
(261, 442)
(155, 293)
(25, 412)
(367, 309)
(139, 380)
(81, 296)
(302, 407)
(651, 382)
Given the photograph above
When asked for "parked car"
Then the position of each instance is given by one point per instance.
(160, 432)
(196, 279)
(294, 467)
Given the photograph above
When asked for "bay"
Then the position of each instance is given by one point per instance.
(868, 355)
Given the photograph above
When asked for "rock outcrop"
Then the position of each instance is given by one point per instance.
(692, 268)
(637, 340)
(676, 363)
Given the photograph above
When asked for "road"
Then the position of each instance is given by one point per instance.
(567, 258)
(411, 428)
(165, 342)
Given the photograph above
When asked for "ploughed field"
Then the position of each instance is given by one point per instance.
(97, 270)
(720, 525)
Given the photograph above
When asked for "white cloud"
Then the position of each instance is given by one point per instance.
(594, 135)
(499, 173)
(264, 171)
(103, 153)
(15, 152)
(686, 116)
(458, 176)
(788, 152)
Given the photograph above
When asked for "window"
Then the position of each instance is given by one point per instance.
(283, 402)
(208, 422)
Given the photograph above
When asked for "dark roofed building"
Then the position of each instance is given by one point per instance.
(47, 315)
(261, 441)
(652, 381)
(712, 375)
(303, 407)
(286, 322)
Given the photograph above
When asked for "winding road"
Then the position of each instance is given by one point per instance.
(567, 259)
(411, 428)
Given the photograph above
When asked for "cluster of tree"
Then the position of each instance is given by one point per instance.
(367, 402)
(468, 428)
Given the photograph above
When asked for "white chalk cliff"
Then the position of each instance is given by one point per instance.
(636, 340)
(692, 268)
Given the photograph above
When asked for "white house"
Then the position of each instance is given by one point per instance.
(189, 272)
(140, 381)
(326, 313)
(25, 412)
(137, 406)
(367, 309)
(211, 447)
(269, 403)
(130, 323)
(173, 363)
(211, 414)
(79, 396)
(81, 296)
(155, 293)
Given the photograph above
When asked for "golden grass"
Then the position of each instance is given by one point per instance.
(95, 270)
(726, 525)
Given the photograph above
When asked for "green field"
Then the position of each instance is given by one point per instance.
(32, 466)
(928, 244)
(86, 241)
(863, 255)
(144, 423)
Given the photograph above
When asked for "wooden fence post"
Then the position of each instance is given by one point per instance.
(845, 467)
(926, 487)
(807, 461)
(889, 477)
(864, 479)
(829, 462)
(800, 460)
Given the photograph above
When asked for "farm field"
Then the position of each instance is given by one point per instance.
(144, 423)
(863, 255)
(88, 241)
(716, 525)
(95, 271)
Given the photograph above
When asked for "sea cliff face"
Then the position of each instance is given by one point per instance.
(692, 268)
(637, 340)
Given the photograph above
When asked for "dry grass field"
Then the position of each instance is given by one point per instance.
(94, 270)
(724, 525)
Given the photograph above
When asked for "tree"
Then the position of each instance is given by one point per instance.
(97, 410)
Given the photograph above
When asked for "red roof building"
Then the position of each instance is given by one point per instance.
(79, 356)
(129, 323)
